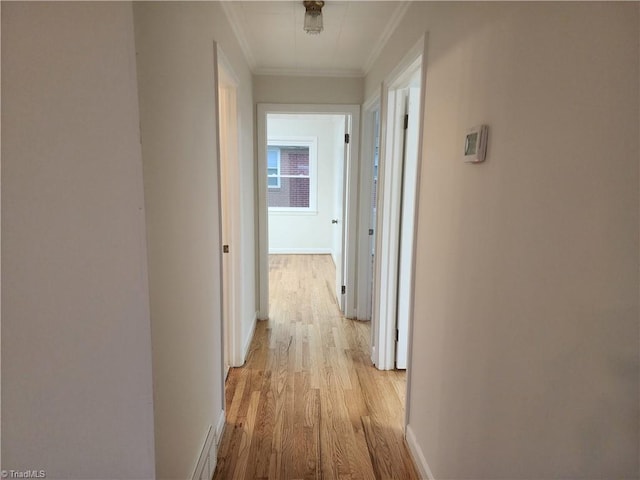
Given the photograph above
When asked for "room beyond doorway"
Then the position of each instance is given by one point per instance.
(292, 163)
(306, 160)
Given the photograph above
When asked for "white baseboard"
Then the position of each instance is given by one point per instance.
(300, 251)
(418, 456)
(206, 465)
(248, 340)
(220, 428)
(217, 436)
(203, 466)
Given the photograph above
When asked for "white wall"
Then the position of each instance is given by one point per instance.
(77, 391)
(525, 336)
(177, 105)
(309, 232)
(306, 90)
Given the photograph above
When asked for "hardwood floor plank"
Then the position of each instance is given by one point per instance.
(247, 436)
(379, 451)
(308, 404)
(261, 446)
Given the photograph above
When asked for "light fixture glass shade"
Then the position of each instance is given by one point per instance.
(313, 22)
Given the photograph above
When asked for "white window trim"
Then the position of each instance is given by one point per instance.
(312, 144)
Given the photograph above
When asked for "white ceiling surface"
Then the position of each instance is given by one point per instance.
(274, 42)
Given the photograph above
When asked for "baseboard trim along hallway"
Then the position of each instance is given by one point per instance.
(418, 455)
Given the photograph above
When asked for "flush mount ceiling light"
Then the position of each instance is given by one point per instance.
(313, 17)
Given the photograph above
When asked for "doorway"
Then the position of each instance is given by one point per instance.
(367, 210)
(288, 190)
(227, 114)
(401, 114)
(305, 185)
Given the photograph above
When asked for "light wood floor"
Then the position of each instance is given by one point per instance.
(308, 404)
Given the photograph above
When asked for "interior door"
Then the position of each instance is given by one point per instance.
(225, 221)
(407, 220)
(342, 160)
(372, 217)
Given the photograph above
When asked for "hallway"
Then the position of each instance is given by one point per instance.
(308, 403)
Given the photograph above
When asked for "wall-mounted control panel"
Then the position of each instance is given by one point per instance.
(475, 144)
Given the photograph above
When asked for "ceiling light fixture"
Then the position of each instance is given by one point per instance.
(313, 17)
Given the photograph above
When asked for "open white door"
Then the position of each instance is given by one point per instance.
(407, 224)
(338, 223)
(367, 208)
(225, 231)
(227, 117)
(372, 214)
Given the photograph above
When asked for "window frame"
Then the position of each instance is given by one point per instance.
(297, 141)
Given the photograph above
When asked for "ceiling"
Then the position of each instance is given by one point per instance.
(274, 42)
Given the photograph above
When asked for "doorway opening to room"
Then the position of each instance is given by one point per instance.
(306, 160)
(369, 163)
(400, 150)
(229, 179)
(307, 191)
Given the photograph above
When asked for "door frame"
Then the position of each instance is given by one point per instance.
(388, 208)
(350, 195)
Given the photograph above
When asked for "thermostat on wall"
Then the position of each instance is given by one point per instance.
(475, 144)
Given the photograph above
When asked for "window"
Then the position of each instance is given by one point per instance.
(273, 167)
(291, 186)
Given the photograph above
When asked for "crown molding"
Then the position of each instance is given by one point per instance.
(302, 72)
(384, 37)
(237, 27)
